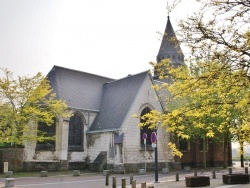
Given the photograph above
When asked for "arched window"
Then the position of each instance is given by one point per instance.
(46, 131)
(75, 140)
(145, 129)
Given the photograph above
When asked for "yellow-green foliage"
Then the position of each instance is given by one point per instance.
(24, 101)
(210, 98)
(207, 100)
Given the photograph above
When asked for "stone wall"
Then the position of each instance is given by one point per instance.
(133, 151)
(134, 167)
(97, 143)
(33, 166)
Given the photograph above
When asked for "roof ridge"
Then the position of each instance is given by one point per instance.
(129, 75)
(70, 69)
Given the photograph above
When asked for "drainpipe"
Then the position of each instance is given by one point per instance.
(88, 120)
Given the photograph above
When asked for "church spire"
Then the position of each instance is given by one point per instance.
(170, 47)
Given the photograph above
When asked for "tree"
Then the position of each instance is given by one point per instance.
(24, 102)
(208, 100)
(217, 33)
(210, 97)
(220, 31)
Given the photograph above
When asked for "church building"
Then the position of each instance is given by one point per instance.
(102, 132)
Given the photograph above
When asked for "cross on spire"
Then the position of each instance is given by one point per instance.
(170, 47)
(168, 8)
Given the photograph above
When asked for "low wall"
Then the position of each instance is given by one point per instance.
(134, 167)
(52, 166)
(8, 155)
(34, 166)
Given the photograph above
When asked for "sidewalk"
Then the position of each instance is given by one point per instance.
(169, 181)
(89, 179)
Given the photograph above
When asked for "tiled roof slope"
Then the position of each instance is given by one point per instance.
(117, 99)
(80, 90)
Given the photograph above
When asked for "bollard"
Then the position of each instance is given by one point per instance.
(143, 185)
(246, 170)
(107, 179)
(134, 184)
(177, 176)
(195, 172)
(105, 172)
(123, 183)
(131, 178)
(76, 172)
(230, 170)
(43, 173)
(214, 175)
(9, 182)
(114, 182)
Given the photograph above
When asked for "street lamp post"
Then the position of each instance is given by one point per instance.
(156, 164)
(154, 141)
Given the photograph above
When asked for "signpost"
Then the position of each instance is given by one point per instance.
(144, 136)
(154, 145)
(153, 139)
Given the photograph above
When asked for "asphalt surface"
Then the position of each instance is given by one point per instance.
(97, 180)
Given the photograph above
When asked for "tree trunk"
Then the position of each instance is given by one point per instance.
(15, 159)
(241, 154)
(204, 154)
(225, 145)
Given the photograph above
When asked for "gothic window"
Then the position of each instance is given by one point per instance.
(75, 140)
(48, 131)
(145, 129)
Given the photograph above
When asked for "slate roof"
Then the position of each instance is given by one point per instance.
(170, 47)
(80, 90)
(117, 99)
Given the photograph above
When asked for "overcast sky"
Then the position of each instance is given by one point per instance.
(111, 38)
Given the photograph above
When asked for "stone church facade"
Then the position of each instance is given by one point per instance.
(102, 132)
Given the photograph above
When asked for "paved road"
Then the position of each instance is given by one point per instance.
(93, 180)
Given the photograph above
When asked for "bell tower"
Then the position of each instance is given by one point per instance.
(170, 47)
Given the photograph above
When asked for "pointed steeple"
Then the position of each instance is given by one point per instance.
(170, 47)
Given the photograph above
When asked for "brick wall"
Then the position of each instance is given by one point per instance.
(194, 157)
(8, 155)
